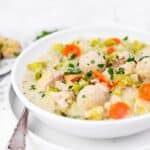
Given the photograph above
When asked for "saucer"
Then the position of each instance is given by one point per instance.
(51, 138)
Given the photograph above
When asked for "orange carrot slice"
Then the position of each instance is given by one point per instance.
(102, 78)
(73, 77)
(117, 40)
(118, 110)
(110, 50)
(71, 49)
(144, 91)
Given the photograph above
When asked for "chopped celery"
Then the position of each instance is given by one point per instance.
(37, 75)
(95, 113)
(83, 83)
(111, 57)
(137, 46)
(76, 87)
(58, 47)
(58, 66)
(117, 91)
(139, 107)
(53, 89)
(109, 42)
(125, 80)
(134, 46)
(95, 42)
(36, 66)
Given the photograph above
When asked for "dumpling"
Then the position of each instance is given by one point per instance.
(91, 60)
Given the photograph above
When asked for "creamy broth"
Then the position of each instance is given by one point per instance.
(92, 79)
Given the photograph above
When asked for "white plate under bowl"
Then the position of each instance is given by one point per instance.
(52, 139)
(6, 65)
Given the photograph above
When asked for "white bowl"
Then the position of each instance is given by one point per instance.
(83, 128)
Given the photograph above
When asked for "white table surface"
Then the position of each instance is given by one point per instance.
(23, 18)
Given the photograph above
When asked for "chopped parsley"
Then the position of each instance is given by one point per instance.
(111, 73)
(92, 61)
(70, 87)
(42, 94)
(100, 65)
(120, 71)
(125, 38)
(45, 33)
(71, 65)
(89, 74)
(143, 57)
(72, 56)
(117, 57)
(83, 96)
(16, 54)
(32, 87)
(72, 71)
(130, 59)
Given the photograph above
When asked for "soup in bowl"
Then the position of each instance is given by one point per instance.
(87, 81)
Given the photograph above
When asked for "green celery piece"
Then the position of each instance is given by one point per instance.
(36, 66)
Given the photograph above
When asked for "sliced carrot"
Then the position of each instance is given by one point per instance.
(102, 78)
(71, 49)
(73, 77)
(114, 84)
(144, 91)
(110, 50)
(118, 110)
(117, 40)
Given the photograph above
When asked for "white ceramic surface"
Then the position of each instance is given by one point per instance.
(90, 129)
(6, 65)
(37, 131)
(38, 139)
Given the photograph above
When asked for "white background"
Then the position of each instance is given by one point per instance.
(24, 17)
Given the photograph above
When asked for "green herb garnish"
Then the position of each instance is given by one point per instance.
(45, 33)
(72, 56)
(120, 71)
(72, 71)
(16, 54)
(32, 87)
(83, 96)
(92, 61)
(125, 38)
(100, 65)
(89, 74)
(42, 94)
(130, 59)
(111, 72)
(71, 65)
(143, 57)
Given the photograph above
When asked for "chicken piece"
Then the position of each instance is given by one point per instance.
(129, 67)
(107, 74)
(92, 96)
(9, 48)
(143, 69)
(91, 60)
(61, 100)
(122, 57)
(124, 54)
(113, 99)
(61, 86)
(129, 94)
(48, 79)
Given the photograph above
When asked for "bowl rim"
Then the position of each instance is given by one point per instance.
(37, 109)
